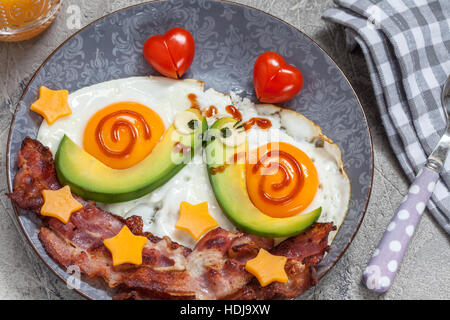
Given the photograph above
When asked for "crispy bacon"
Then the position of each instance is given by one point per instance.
(215, 269)
(304, 252)
(37, 172)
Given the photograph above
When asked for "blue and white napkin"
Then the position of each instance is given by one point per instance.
(406, 44)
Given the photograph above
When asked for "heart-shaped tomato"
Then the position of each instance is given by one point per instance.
(274, 80)
(170, 54)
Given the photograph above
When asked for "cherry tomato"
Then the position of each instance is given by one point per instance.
(274, 80)
(170, 54)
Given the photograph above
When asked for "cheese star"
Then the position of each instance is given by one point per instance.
(51, 104)
(125, 247)
(267, 268)
(195, 219)
(59, 204)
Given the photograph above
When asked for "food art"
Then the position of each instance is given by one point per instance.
(195, 219)
(170, 191)
(125, 247)
(59, 204)
(170, 54)
(214, 269)
(275, 81)
(52, 104)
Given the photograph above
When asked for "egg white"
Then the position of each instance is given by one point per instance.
(333, 193)
(165, 96)
(160, 209)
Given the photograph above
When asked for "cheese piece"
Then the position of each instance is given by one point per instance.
(51, 104)
(59, 204)
(195, 219)
(267, 268)
(125, 247)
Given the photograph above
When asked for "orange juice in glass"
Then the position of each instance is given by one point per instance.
(24, 19)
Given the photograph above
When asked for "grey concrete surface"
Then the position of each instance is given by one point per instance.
(425, 273)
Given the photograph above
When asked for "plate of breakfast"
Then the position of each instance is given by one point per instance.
(189, 150)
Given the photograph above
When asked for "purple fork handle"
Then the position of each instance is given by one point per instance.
(386, 259)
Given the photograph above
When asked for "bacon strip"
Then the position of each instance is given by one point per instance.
(215, 269)
(304, 252)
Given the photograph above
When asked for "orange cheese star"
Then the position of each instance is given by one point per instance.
(51, 104)
(267, 268)
(59, 204)
(125, 247)
(195, 219)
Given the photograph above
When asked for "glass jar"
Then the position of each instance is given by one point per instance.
(24, 19)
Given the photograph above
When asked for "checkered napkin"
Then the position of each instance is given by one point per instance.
(406, 44)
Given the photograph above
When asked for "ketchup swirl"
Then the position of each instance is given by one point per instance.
(260, 122)
(115, 132)
(194, 102)
(234, 112)
(288, 177)
(211, 111)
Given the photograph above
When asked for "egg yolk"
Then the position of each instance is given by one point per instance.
(122, 134)
(281, 179)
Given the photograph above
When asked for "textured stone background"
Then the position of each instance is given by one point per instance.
(425, 272)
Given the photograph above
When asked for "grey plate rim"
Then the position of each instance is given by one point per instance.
(8, 143)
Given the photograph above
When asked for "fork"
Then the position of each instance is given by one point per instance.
(387, 257)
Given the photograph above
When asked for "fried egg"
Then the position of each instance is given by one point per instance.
(165, 98)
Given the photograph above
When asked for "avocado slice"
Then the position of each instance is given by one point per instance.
(229, 186)
(91, 179)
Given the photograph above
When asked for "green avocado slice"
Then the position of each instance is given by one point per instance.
(91, 179)
(229, 186)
